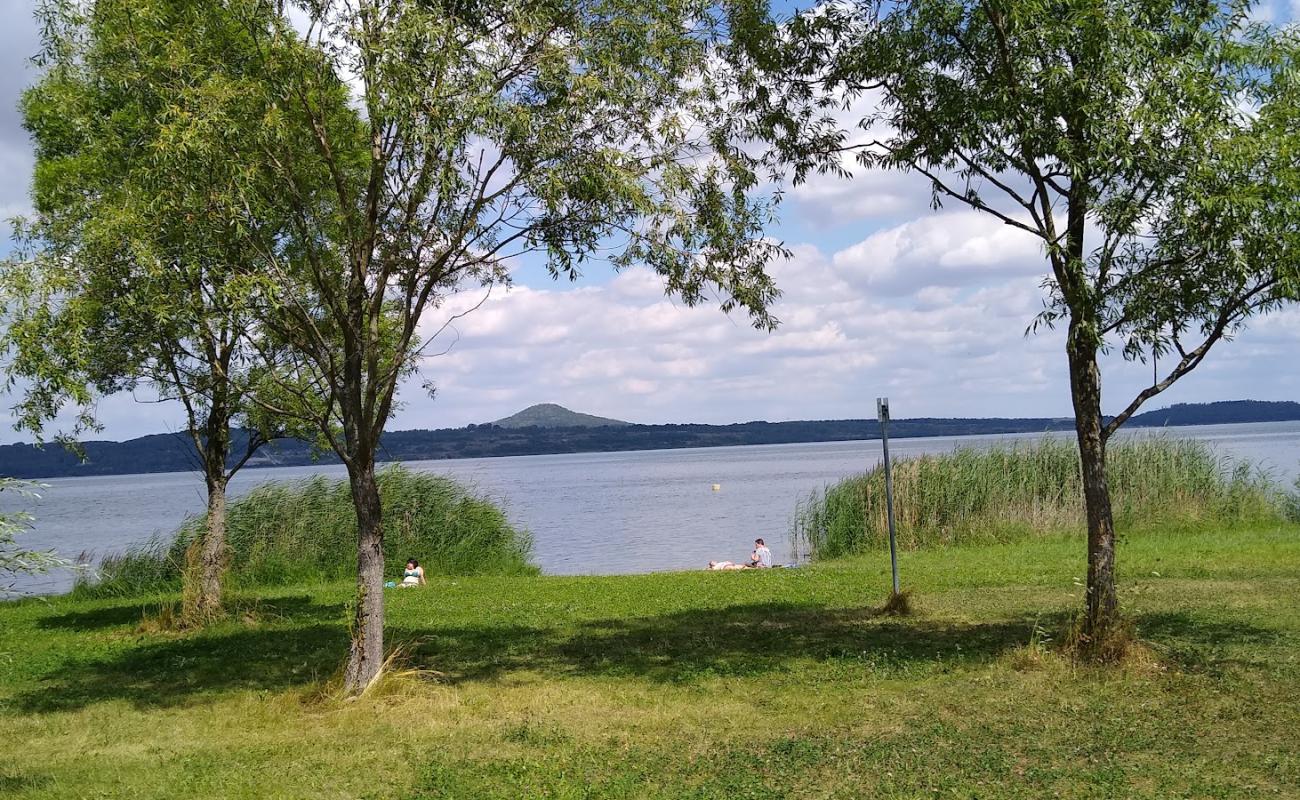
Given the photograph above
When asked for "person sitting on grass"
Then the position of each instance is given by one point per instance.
(761, 558)
(413, 575)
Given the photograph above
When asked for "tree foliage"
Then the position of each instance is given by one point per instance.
(16, 560)
(126, 274)
(132, 274)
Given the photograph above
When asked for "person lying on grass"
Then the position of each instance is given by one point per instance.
(726, 565)
(413, 575)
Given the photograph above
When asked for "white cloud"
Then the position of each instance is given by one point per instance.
(942, 250)
(628, 352)
(19, 42)
(828, 200)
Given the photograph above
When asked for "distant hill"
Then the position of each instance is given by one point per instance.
(549, 415)
(1222, 413)
(552, 429)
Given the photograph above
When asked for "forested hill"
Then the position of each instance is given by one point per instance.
(172, 452)
(1223, 413)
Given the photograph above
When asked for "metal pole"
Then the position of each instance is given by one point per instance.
(882, 413)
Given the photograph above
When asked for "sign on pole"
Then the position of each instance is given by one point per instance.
(882, 413)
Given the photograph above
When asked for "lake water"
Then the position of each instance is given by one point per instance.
(591, 512)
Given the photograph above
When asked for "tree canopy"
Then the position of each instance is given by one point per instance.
(419, 149)
(1149, 147)
(132, 273)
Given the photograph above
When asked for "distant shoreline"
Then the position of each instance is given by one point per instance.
(171, 452)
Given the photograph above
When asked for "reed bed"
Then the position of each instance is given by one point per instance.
(305, 532)
(975, 496)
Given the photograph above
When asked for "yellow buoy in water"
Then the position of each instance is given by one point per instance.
(717, 487)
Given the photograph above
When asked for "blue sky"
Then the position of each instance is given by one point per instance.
(882, 297)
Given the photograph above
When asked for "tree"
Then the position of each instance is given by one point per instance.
(130, 273)
(1149, 146)
(14, 559)
(451, 139)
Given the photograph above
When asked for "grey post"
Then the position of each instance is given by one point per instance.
(882, 413)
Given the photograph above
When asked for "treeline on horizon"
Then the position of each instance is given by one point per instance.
(174, 452)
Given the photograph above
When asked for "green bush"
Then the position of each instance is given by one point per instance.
(286, 533)
(1010, 492)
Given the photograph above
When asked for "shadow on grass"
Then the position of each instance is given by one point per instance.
(736, 641)
(13, 782)
(115, 616)
(297, 608)
(171, 672)
(1179, 625)
(739, 640)
(1208, 646)
(680, 648)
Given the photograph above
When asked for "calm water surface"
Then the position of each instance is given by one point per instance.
(591, 512)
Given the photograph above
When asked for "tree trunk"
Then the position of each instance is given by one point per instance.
(1102, 601)
(366, 657)
(207, 560)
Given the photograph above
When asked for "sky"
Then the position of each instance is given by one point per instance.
(882, 297)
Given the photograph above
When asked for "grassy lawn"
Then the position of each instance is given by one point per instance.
(703, 685)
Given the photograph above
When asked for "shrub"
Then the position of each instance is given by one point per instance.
(283, 533)
(1004, 493)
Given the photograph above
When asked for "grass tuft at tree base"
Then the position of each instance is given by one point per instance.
(1117, 644)
(898, 604)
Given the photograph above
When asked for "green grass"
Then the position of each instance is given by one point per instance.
(284, 533)
(1012, 492)
(755, 684)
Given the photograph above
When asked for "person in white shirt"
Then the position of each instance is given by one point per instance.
(761, 557)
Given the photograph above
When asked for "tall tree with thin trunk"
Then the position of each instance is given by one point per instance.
(130, 274)
(1148, 146)
(453, 140)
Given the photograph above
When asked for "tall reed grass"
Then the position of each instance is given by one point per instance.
(1293, 503)
(1011, 492)
(285, 533)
